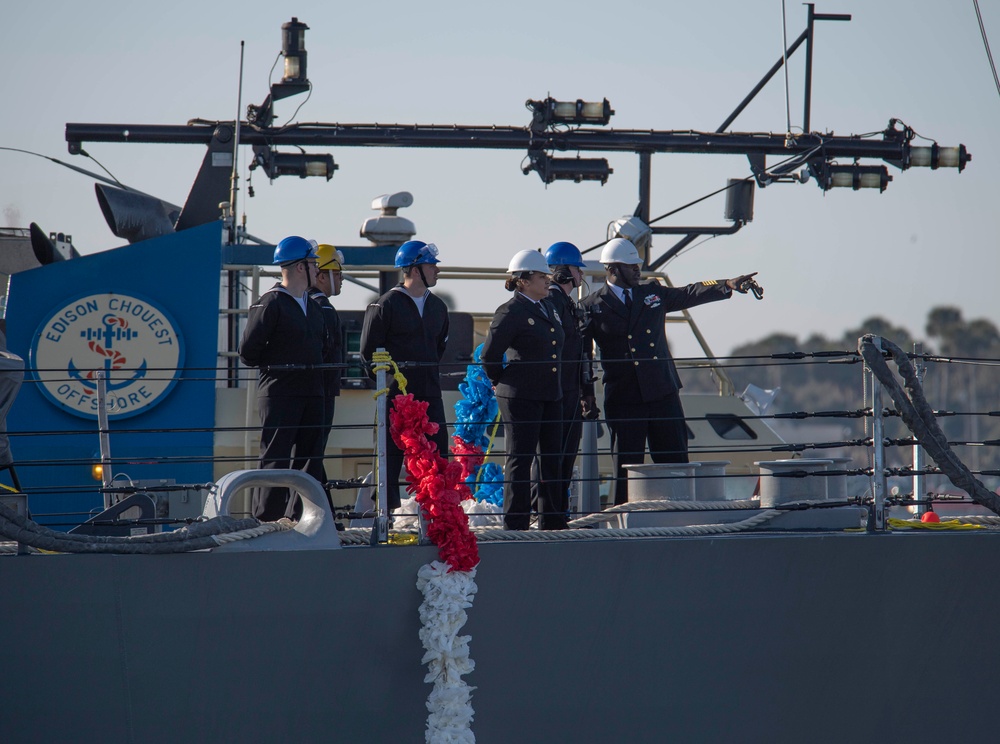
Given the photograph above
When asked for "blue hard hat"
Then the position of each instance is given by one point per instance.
(414, 252)
(292, 249)
(564, 254)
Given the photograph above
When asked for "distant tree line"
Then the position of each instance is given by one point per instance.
(970, 383)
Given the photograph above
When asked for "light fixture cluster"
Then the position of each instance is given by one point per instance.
(549, 113)
(293, 49)
(294, 81)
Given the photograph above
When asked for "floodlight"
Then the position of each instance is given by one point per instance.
(939, 157)
(831, 176)
(577, 169)
(301, 164)
(551, 111)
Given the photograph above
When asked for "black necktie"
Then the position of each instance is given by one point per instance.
(628, 299)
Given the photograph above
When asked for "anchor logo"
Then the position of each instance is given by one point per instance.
(120, 337)
(115, 329)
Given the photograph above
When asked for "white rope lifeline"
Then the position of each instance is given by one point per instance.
(265, 528)
(663, 505)
(500, 535)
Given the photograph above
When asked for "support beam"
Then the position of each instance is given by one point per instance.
(498, 138)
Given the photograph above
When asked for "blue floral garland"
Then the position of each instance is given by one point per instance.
(475, 412)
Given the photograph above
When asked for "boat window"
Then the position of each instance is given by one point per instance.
(730, 426)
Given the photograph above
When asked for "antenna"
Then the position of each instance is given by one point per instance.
(784, 64)
(234, 179)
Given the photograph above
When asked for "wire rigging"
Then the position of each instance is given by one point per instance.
(97, 176)
(986, 44)
(784, 65)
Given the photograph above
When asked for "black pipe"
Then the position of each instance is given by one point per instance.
(493, 138)
(763, 81)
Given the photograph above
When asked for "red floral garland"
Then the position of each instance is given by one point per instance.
(469, 456)
(437, 484)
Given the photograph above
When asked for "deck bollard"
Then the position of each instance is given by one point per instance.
(777, 488)
(662, 481)
(709, 482)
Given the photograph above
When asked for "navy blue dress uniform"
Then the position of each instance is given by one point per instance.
(279, 333)
(416, 343)
(574, 376)
(529, 393)
(641, 384)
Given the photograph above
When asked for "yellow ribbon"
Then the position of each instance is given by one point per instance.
(383, 361)
(489, 448)
(493, 435)
(910, 524)
(403, 538)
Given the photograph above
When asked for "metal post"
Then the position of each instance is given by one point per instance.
(387, 280)
(878, 449)
(234, 178)
(645, 187)
(233, 328)
(103, 436)
(590, 495)
(252, 384)
(645, 181)
(380, 530)
(919, 489)
(807, 105)
(248, 422)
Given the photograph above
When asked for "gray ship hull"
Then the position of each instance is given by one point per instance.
(765, 637)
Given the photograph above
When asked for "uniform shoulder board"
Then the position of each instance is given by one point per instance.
(709, 283)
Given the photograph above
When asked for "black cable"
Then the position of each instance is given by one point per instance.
(75, 168)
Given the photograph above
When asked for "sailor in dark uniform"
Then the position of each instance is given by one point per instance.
(411, 323)
(566, 268)
(284, 328)
(327, 283)
(528, 330)
(641, 386)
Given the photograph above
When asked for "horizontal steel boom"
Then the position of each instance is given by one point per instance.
(493, 138)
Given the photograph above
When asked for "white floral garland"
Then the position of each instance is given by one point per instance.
(447, 594)
(480, 513)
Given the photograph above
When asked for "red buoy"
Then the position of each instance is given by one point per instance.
(930, 517)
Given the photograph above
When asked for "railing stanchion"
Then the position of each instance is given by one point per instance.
(380, 530)
(878, 448)
(104, 437)
(919, 489)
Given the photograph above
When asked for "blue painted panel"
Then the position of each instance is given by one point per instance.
(180, 273)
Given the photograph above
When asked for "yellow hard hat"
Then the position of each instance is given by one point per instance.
(329, 257)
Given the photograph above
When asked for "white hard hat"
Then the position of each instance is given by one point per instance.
(528, 261)
(619, 250)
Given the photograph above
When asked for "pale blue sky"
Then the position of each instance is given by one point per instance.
(826, 261)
